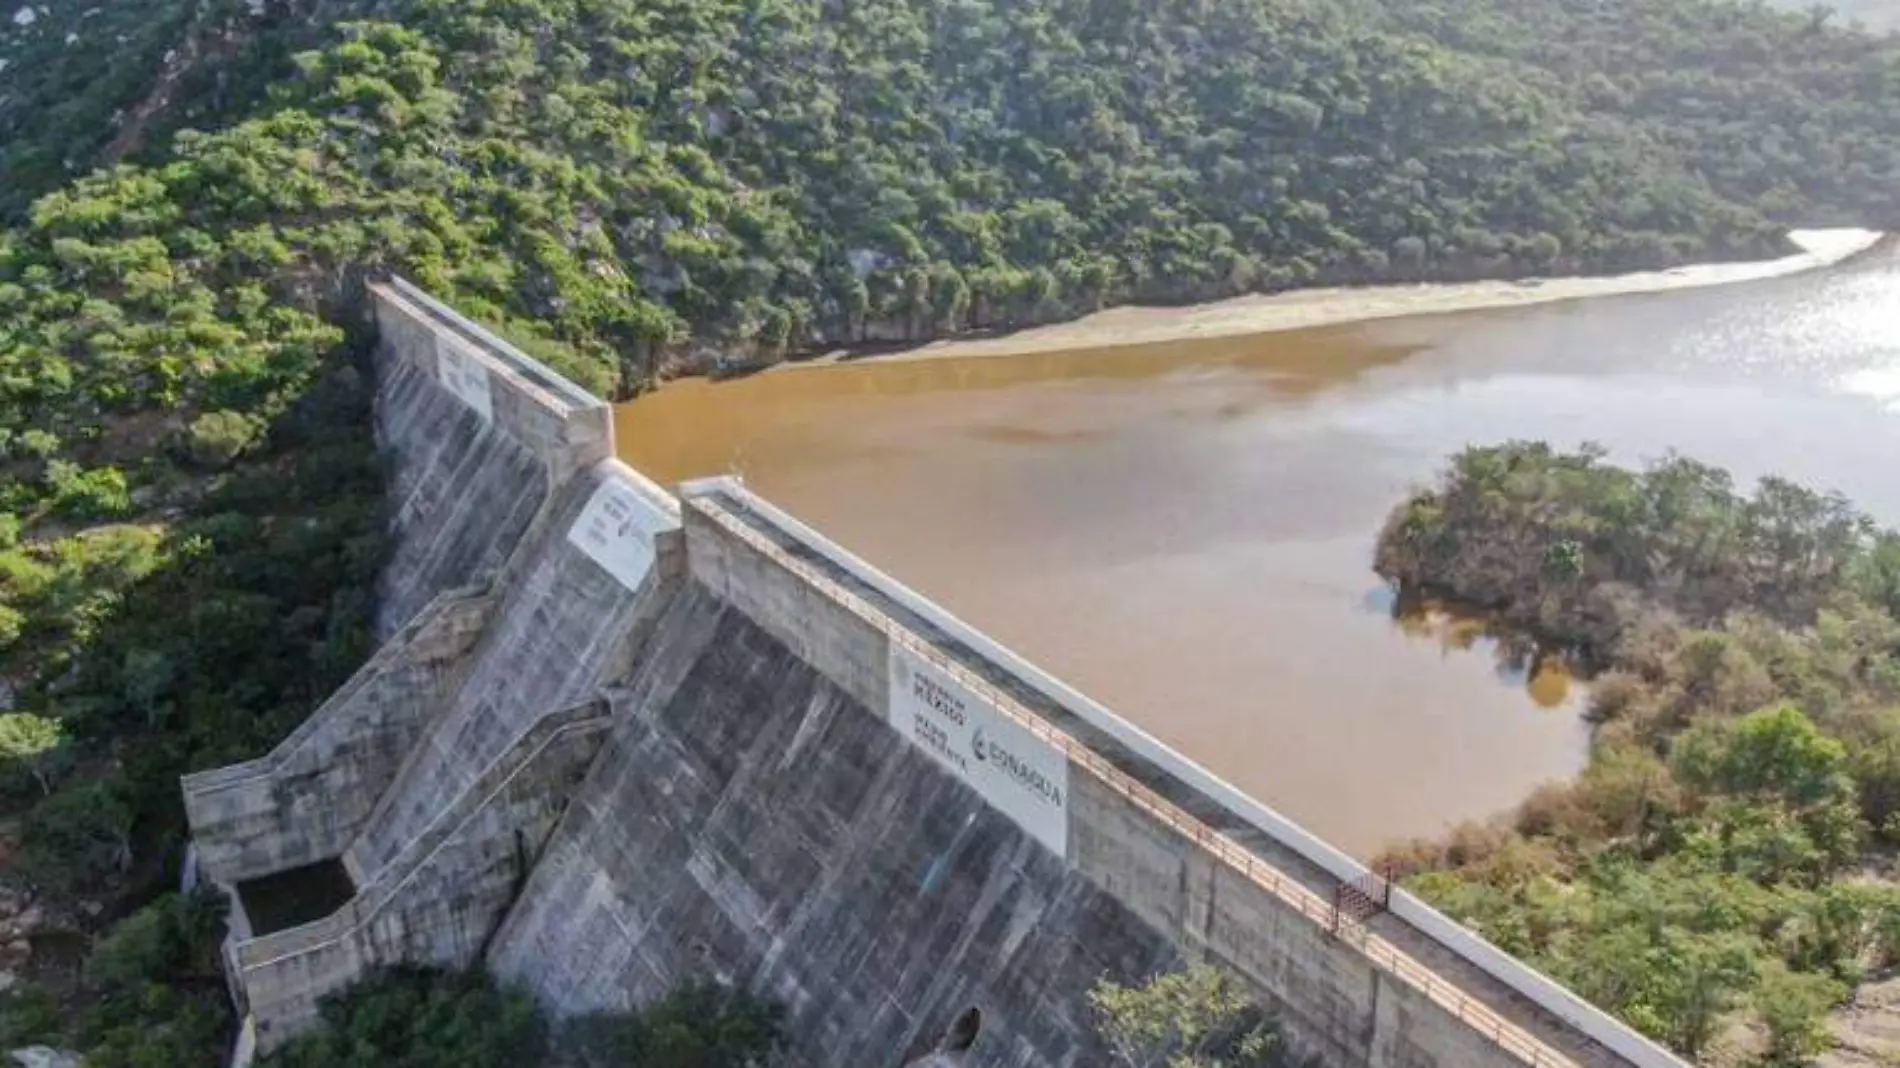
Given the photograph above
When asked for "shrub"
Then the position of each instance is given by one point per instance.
(412, 1018)
(80, 836)
(701, 1025)
(30, 749)
(1794, 1007)
(1195, 1018)
(216, 438)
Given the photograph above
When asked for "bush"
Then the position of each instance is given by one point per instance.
(156, 994)
(99, 493)
(1747, 739)
(1794, 1007)
(1195, 1018)
(79, 837)
(216, 438)
(176, 935)
(30, 750)
(423, 1018)
(701, 1025)
(411, 1018)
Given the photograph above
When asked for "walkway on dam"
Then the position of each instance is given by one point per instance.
(1456, 984)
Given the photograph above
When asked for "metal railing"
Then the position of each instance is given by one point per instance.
(1510, 1037)
(271, 950)
(389, 653)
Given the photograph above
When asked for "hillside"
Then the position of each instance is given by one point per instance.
(1873, 14)
(637, 186)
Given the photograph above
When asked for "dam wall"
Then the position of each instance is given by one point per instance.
(480, 437)
(431, 779)
(572, 618)
(1144, 794)
(750, 822)
(618, 740)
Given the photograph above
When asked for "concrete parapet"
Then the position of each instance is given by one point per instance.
(305, 799)
(480, 436)
(565, 426)
(438, 902)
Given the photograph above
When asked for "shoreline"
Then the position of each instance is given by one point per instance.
(1307, 308)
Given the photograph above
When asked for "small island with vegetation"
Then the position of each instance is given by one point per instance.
(1721, 874)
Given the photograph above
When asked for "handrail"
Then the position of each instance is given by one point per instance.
(353, 916)
(264, 766)
(1510, 1037)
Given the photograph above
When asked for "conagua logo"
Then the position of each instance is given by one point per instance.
(1019, 772)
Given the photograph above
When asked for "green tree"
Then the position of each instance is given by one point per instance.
(1680, 892)
(411, 1018)
(1194, 1018)
(32, 743)
(79, 837)
(156, 986)
(1794, 1007)
(700, 1025)
(1777, 751)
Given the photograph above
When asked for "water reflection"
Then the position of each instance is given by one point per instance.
(1184, 530)
(1544, 676)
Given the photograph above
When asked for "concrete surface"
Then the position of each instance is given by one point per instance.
(438, 902)
(751, 822)
(466, 485)
(564, 629)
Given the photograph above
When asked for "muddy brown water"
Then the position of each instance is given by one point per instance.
(1184, 530)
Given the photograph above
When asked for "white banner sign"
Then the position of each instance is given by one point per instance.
(463, 375)
(1020, 775)
(616, 530)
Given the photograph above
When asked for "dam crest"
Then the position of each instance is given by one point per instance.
(618, 737)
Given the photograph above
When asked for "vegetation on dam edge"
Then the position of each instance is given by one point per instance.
(1721, 873)
(191, 192)
(1196, 1017)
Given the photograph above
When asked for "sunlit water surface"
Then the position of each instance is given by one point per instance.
(1184, 531)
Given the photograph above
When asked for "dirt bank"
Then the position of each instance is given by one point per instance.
(1136, 325)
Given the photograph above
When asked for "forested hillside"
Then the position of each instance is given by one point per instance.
(1721, 874)
(192, 190)
(785, 173)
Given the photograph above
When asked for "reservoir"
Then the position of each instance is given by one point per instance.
(1184, 529)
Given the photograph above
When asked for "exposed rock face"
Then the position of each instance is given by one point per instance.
(20, 919)
(44, 1057)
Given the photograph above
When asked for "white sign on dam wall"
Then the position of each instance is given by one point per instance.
(463, 375)
(1020, 775)
(616, 531)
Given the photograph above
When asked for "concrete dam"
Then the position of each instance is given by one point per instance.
(618, 737)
